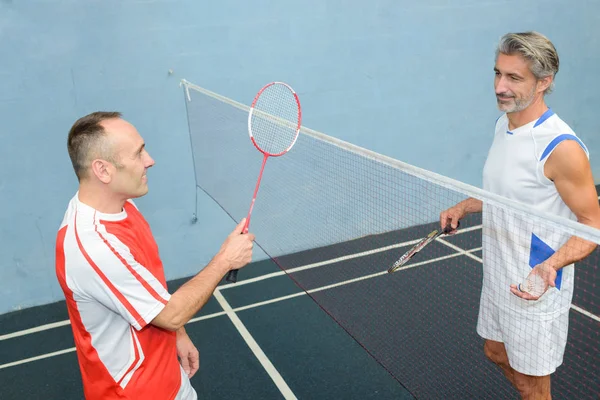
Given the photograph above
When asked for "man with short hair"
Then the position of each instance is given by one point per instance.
(535, 158)
(128, 329)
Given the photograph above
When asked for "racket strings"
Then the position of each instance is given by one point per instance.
(274, 121)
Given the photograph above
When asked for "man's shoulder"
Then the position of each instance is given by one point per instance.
(70, 212)
(552, 124)
(551, 133)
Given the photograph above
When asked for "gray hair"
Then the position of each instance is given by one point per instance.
(537, 49)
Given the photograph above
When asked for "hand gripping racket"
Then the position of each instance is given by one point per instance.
(273, 125)
(419, 246)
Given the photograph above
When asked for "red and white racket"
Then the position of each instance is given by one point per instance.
(273, 125)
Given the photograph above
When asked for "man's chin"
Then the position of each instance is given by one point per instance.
(506, 107)
(142, 192)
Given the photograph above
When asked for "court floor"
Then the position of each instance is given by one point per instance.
(380, 336)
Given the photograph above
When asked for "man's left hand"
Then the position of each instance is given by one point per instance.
(548, 275)
(187, 352)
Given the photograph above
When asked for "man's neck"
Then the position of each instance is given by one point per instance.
(99, 200)
(533, 112)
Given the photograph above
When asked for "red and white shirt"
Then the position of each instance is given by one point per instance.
(110, 271)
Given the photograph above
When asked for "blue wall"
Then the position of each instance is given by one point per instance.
(407, 80)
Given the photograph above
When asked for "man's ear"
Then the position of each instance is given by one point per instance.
(544, 83)
(102, 170)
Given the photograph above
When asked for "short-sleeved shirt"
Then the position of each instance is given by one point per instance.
(110, 271)
(514, 242)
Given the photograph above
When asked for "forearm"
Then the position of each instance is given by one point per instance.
(192, 295)
(575, 249)
(568, 167)
(471, 205)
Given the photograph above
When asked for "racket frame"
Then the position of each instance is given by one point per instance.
(404, 258)
(252, 107)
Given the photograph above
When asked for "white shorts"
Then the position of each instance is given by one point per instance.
(535, 344)
(186, 391)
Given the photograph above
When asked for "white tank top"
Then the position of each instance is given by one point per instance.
(513, 243)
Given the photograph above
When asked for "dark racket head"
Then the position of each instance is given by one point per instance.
(419, 246)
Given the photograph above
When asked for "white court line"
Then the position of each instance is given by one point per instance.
(259, 304)
(257, 279)
(573, 306)
(207, 316)
(460, 250)
(58, 353)
(264, 303)
(305, 267)
(336, 260)
(586, 313)
(362, 278)
(260, 355)
(35, 329)
(48, 355)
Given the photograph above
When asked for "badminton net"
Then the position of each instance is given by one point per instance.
(335, 217)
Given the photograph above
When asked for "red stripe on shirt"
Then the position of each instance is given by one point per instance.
(96, 378)
(107, 282)
(141, 280)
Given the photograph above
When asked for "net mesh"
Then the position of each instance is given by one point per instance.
(335, 217)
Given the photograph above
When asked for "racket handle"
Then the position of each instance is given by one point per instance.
(232, 276)
(448, 227)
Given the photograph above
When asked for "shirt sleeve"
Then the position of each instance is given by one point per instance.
(118, 281)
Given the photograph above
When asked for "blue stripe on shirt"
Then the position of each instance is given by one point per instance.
(544, 117)
(557, 140)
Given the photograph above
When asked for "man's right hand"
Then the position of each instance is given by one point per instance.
(237, 248)
(452, 216)
(235, 252)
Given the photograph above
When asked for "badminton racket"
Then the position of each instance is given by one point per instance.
(404, 258)
(274, 122)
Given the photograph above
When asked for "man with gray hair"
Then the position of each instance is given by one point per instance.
(535, 157)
